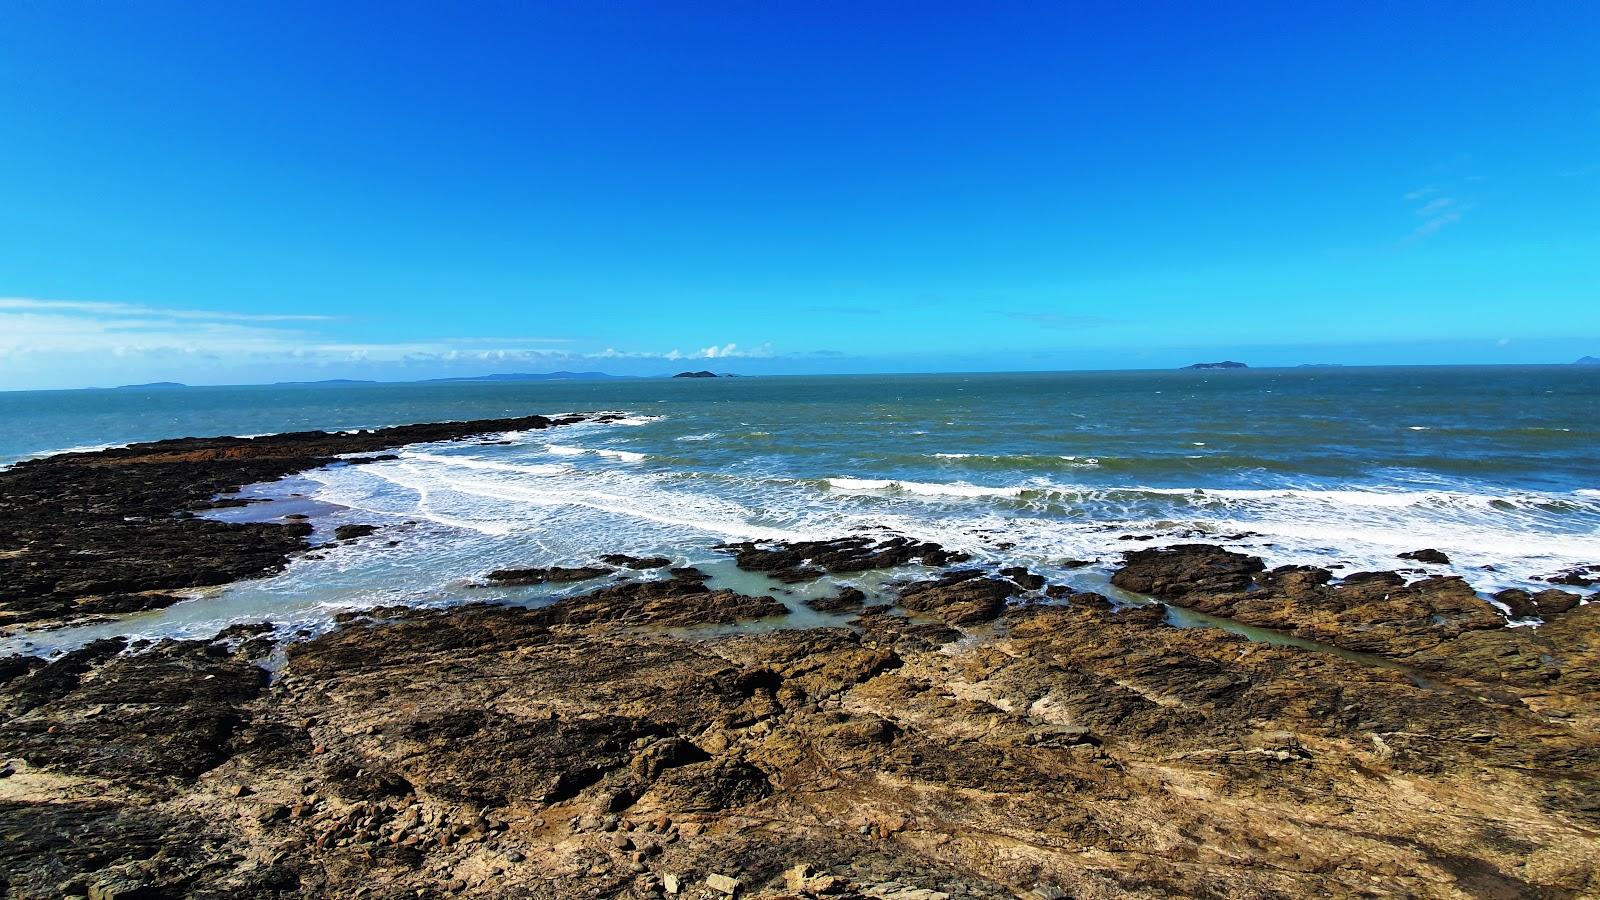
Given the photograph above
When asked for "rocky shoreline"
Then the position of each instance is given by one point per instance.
(110, 531)
(988, 734)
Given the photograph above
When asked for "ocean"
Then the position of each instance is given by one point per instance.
(1338, 467)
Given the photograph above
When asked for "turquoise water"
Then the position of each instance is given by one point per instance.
(1338, 467)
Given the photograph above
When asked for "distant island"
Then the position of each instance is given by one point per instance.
(1587, 361)
(327, 381)
(529, 376)
(154, 385)
(1225, 364)
(700, 374)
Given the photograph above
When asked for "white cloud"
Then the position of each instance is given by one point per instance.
(68, 335)
(134, 309)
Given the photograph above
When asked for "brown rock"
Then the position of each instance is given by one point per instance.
(959, 598)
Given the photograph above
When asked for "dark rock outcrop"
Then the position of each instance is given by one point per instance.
(846, 598)
(636, 562)
(1583, 576)
(1373, 612)
(808, 560)
(1541, 605)
(959, 598)
(1171, 572)
(549, 575)
(79, 528)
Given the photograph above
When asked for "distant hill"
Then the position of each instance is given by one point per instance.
(532, 376)
(154, 385)
(1587, 361)
(1225, 364)
(700, 374)
(329, 381)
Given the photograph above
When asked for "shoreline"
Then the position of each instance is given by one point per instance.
(107, 532)
(962, 731)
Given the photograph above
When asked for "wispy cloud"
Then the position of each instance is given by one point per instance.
(507, 340)
(724, 351)
(1436, 209)
(40, 335)
(134, 309)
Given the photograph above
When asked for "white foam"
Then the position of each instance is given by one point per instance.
(926, 489)
(532, 498)
(86, 448)
(624, 455)
(473, 462)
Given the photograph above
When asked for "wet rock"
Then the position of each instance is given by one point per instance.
(676, 602)
(636, 562)
(351, 532)
(1551, 602)
(1520, 603)
(1173, 572)
(808, 560)
(18, 665)
(158, 718)
(1582, 576)
(37, 685)
(550, 575)
(1022, 578)
(1374, 612)
(1430, 555)
(44, 846)
(902, 632)
(959, 598)
(846, 598)
(244, 630)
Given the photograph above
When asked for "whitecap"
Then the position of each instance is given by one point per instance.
(927, 489)
(624, 455)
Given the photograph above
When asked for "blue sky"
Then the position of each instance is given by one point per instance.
(211, 193)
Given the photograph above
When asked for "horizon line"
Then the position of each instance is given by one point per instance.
(512, 377)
